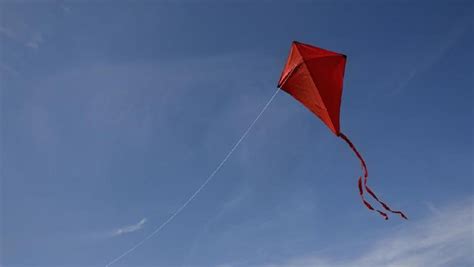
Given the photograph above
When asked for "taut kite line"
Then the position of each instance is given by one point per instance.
(200, 188)
(313, 76)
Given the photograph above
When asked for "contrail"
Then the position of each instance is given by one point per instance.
(209, 178)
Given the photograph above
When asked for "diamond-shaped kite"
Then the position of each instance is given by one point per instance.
(314, 76)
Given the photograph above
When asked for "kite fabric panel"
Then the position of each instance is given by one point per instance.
(314, 76)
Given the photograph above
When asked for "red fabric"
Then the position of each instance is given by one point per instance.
(314, 76)
(365, 186)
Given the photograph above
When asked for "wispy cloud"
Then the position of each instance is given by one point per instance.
(6, 32)
(449, 41)
(35, 41)
(105, 234)
(442, 239)
(21, 30)
(7, 70)
(65, 8)
(129, 228)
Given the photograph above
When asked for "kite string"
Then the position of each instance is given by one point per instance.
(209, 178)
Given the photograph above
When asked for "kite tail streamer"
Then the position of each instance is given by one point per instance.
(367, 204)
(364, 185)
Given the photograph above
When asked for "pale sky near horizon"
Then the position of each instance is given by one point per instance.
(114, 113)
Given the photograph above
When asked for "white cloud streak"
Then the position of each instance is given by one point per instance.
(6, 32)
(129, 228)
(20, 32)
(448, 42)
(202, 186)
(440, 240)
(35, 41)
(6, 69)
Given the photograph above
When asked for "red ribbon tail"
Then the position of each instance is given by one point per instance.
(367, 204)
(366, 187)
(384, 205)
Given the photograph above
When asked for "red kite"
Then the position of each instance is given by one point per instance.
(314, 76)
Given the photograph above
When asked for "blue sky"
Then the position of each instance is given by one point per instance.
(113, 114)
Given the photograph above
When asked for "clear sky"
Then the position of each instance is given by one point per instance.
(113, 113)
